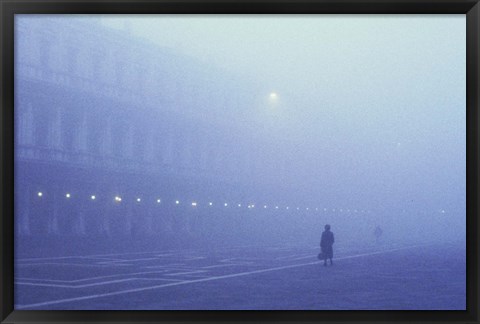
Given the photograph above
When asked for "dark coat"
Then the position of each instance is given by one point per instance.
(326, 244)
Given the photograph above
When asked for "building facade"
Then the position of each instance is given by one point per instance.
(115, 136)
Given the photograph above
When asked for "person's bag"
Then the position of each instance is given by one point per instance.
(321, 256)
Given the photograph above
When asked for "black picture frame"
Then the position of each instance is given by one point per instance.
(9, 8)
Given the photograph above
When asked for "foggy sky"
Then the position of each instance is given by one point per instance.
(381, 97)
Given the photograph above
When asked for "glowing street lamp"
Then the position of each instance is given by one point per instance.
(273, 99)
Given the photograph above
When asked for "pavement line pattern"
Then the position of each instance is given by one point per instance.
(159, 253)
(102, 265)
(91, 278)
(186, 282)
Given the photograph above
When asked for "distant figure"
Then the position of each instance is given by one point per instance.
(378, 233)
(326, 243)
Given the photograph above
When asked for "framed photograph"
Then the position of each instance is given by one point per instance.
(226, 161)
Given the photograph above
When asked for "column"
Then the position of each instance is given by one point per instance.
(168, 149)
(25, 125)
(81, 226)
(106, 215)
(149, 145)
(53, 227)
(106, 143)
(186, 149)
(128, 146)
(80, 139)
(22, 210)
(128, 221)
(54, 140)
(149, 223)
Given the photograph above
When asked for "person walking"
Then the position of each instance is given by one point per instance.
(326, 244)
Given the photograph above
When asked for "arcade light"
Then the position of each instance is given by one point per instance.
(249, 206)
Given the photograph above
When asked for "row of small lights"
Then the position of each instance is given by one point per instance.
(118, 199)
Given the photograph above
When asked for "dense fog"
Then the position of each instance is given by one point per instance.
(292, 121)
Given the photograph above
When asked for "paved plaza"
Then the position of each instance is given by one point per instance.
(386, 277)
